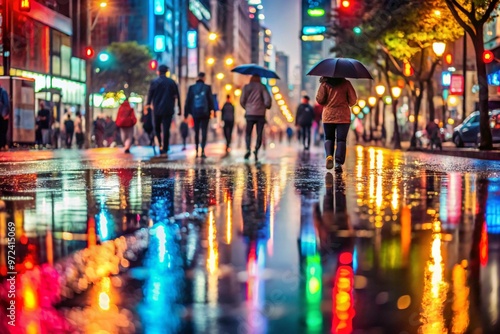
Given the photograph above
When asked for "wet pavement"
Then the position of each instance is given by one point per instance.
(110, 243)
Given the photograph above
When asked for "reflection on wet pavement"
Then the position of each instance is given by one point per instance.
(398, 243)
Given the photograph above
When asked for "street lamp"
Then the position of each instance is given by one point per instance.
(275, 89)
(229, 61)
(380, 90)
(438, 48)
(237, 92)
(211, 61)
(362, 103)
(212, 36)
(396, 93)
(228, 87)
(372, 101)
(220, 76)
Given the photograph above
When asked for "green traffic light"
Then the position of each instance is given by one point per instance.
(104, 57)
(357, 30)
(316, 12)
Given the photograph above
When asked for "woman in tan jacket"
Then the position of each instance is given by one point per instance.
(336, 95)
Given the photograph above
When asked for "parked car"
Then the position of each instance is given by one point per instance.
(468, 131)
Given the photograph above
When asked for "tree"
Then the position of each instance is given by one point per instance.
(127, 69)
(472, 15)
(401, 32)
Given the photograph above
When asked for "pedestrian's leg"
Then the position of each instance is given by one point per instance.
(308, 134)
(167, 121)
(248, 137)
(229, 138)
(260, 131)
(158, 120)
(329, 131)
(204, 133)
(197, 134)
(340, 152)
(70, 139)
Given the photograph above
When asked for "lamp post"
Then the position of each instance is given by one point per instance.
(372, 101)
(439, 49)
(396, 93)
(380, 90)
(90, 27)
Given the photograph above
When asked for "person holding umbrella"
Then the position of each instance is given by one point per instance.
(337, 96)
(255, 99)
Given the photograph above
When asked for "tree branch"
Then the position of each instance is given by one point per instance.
(487, 14)
(454, 12)
(455, 4)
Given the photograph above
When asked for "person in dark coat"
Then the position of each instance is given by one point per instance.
(200, 105)
(304, 120)
(69, 128)
(228, 119)
(163, 92)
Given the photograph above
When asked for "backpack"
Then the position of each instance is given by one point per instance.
(200, 104)
(4, 104)
(126, 116)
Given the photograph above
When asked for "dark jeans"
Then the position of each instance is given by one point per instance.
(4, 128)
(69, 139)
(306, 136)
(201, 124)
(79, 140)
(259, 122)
(163, 121)
(228, 131)
(335, 140)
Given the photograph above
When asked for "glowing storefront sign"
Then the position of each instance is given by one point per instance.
(199, 10)
(192, 39)
(313, 30)
(159, 7)
(159, 43)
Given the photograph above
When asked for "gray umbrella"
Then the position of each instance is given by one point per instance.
(340, 68)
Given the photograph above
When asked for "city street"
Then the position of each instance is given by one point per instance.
(400, 242)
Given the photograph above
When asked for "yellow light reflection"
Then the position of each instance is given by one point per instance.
(212, 261)
(460, 304)
(435, 288)
(395, 198)
(104, 299)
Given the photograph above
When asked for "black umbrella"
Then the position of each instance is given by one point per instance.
(252, 69)
(340, 68)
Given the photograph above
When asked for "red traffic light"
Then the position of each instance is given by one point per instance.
(89, 52)
(346, 4)
(488, 56)
(448, 59)
(153, 65)
(25, 5)
(407, 69)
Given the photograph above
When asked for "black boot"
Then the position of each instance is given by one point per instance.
(248, 154)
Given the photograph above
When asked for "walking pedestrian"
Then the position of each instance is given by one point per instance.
(318, 113)
(228, 119)
(184, 130)
(79, 130)
(200, 105)
(99, 130)
(109, 131)
(336, 95)
(69, 128)
(44, 123)
(125, 121)
(162, 95)
(255, 99)
(4, 118)
(304, 119)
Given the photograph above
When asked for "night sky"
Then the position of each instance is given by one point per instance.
(283, 18)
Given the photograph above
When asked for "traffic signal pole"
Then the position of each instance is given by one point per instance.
(89, 117)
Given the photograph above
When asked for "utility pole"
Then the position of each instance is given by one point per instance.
(89, 117)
